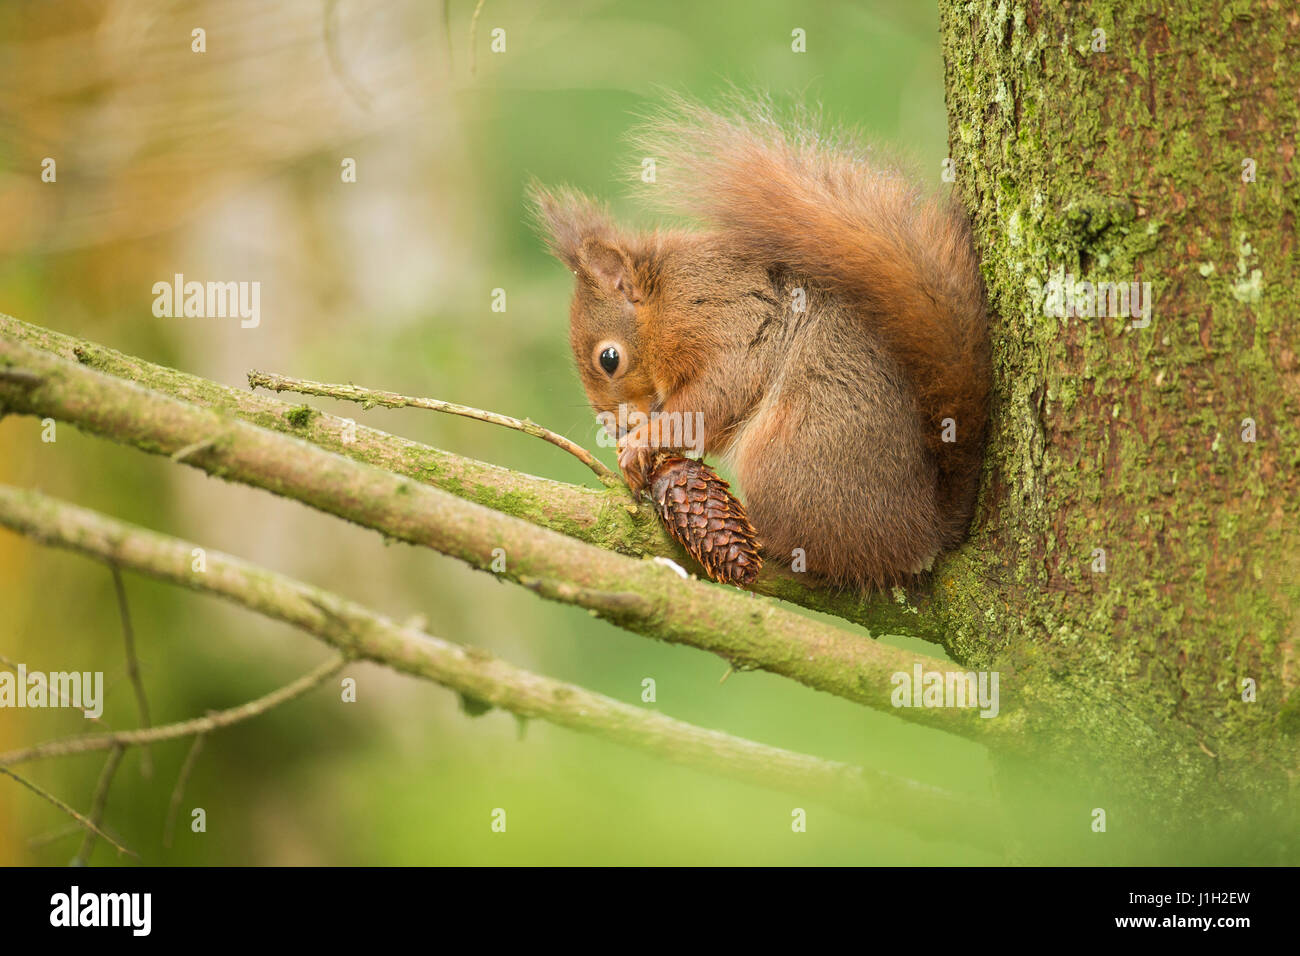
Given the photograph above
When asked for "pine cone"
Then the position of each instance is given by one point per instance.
(704, 516)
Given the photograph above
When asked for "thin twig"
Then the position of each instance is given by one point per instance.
(191, 758)
(63, 698)
(133, 666)
(335, 57)
(99, 804)
(66, 809)
(473, 38)
(369, 397)
(36, 842)
(446, 36)
(89, 743)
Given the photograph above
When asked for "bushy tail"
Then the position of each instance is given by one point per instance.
(902, 258)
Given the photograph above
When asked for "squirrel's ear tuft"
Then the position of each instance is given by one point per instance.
(566, 218)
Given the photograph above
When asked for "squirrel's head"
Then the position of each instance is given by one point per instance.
(650, 310)
(613, 275)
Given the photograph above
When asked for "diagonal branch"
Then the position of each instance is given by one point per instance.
(90, 743)
(359, 632)
(610, 518)
(748, 632)
(99, 804)
(82, 820)
(182, 778)
(133, 665)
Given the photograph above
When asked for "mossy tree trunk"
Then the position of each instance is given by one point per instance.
(1122, 142)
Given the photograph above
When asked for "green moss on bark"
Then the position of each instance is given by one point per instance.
(1126, 164)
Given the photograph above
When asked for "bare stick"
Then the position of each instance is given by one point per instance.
(53, 836)
(473, 38)
(335, 57)
(191, 758)
(98, 805)
(63, 698)
(66, 809)
(133, 666)
(370, 397)
(446, 35)
(89, 743)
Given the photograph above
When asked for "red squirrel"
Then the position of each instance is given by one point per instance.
(829, 324)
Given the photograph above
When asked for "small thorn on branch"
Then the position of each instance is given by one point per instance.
(193, 449)
(604, 603)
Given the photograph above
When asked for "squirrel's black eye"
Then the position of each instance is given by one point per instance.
(609, 360)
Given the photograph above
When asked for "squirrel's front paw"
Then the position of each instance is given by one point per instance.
(635, 460)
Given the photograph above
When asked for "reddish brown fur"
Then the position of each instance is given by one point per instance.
(833, 416)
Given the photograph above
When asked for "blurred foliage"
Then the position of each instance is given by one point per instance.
(225, 165)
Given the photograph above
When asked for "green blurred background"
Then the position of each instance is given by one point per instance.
(225, 166)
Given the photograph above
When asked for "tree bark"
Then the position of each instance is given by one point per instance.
(1115, 142)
